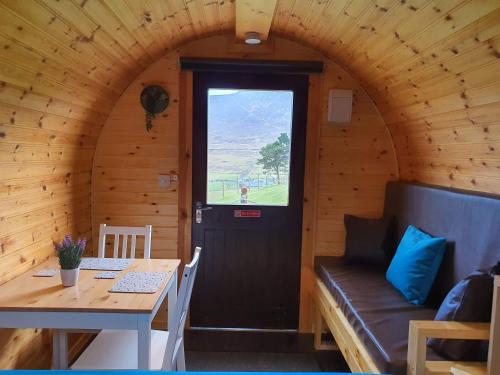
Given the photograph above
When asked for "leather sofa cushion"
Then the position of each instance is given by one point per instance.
(378, 313)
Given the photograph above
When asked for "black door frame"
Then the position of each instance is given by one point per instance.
(299, 83)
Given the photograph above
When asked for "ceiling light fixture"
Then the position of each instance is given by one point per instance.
(252, 38)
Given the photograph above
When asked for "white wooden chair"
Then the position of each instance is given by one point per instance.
(124, 233)
(117, 349)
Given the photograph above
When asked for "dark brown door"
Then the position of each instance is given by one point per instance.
(248, 169)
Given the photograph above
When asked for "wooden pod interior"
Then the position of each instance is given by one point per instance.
(74, 152)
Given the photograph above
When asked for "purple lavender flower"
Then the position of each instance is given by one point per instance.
(68, 241)
(81, 243)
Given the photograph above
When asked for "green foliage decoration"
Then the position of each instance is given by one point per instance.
(70, 252)
(154, 100)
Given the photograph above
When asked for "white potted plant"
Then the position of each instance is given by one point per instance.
(70, 254)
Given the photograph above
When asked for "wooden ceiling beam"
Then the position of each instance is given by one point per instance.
(254, 15)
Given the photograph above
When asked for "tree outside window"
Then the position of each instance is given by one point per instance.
(275, 156)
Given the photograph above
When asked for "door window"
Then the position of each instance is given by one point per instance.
(248, 153)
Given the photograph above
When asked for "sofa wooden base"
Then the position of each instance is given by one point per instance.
(420, 331)
(328, 311)
(359, 360)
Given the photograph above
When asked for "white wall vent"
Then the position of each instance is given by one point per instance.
(340, 106)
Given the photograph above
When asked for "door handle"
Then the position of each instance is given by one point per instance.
(199, 212)
(205, 208)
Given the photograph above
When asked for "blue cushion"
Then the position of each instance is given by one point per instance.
(415, 264)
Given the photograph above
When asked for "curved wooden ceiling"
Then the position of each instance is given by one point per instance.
(432, 67)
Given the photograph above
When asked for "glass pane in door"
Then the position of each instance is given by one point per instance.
(249, 136)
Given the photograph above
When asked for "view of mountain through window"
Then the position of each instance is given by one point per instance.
(249, 135)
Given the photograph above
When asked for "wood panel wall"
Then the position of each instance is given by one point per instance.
(353, 161)
(49, 126)
(63, 65)
(128, 161)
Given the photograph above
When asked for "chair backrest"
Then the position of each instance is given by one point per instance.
(176, 332)
(125, 232)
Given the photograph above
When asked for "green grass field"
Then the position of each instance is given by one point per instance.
(269, 195)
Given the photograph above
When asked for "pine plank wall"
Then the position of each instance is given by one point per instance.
(427, 108)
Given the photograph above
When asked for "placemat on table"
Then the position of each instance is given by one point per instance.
(46, 272)
(105, 264)
(139, 282)
(106, 275)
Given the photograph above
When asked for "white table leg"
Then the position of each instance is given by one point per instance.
(172, 301)
(144, 343)
(60, 350)
(55, 349)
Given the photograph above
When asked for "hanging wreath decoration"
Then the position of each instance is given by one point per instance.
(154, 100)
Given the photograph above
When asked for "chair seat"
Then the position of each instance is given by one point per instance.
(117, 349)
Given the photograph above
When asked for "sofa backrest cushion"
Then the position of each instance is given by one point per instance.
(469, 221)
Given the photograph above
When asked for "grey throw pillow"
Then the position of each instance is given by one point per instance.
(369, 241)
(469, 301)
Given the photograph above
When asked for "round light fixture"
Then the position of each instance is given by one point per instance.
(252, 38)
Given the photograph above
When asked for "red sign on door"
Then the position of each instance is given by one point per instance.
(246, 213)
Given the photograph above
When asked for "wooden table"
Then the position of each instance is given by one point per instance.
(42, 302)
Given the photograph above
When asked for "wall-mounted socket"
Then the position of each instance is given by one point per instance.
(164, 180)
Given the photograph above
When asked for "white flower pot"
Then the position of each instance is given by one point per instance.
(70, 277)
